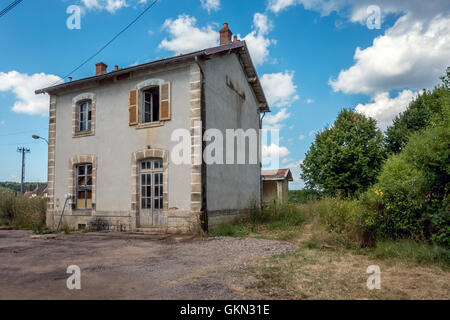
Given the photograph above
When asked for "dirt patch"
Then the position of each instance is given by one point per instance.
(129, 266)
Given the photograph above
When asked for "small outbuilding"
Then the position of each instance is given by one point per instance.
(276, 184)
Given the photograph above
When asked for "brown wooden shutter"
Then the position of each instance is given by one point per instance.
(133, 103)
(164, 101)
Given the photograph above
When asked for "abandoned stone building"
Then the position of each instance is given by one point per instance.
(110, 141)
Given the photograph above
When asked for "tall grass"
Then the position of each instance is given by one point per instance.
(19, 212)
(410, 250)
(275, 221)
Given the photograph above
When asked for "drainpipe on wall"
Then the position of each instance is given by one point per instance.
(261, 183)
(204, 210)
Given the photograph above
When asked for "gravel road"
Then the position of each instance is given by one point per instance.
(128, 266)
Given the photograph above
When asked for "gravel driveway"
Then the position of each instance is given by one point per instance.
(128, 266)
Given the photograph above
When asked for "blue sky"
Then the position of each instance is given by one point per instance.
(314, 57)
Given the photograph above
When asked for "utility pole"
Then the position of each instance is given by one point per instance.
(23, 150)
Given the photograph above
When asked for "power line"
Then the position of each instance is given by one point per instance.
(110, 41)
(21, 132)
(9, 7)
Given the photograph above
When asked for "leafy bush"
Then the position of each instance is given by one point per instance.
(411, 197)
(22, 213)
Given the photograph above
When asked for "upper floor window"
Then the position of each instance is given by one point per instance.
(150, 106)
(149, 102)
(85, 116)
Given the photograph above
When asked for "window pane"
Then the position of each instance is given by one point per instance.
(81, 170)
(89, 194)
(149, 164)
(156, 178)
(142, 179)
(149, 179)
(89, 169)
(149, 203)
(143, 204)
(156, 191)
(161, 191)
(143, 192)
(81, 181)
(142, 165)
(89, 181)
(149, 191)
(82, 107)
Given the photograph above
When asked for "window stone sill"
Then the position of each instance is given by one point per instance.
(83, 134)
(150, 125)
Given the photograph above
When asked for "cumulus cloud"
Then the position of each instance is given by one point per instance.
(411, 54)
(23, 86)
(186, 37)
(257, 41)
(109, 5)
(210, 5)
(383, 108)
(274, 121)
(272, 151)
(279, 88)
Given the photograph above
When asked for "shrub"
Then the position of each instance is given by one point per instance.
(19, 212)
(98, 224)
(348, 218)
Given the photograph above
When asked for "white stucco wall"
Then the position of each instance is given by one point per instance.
(230, 187)
(115, 141)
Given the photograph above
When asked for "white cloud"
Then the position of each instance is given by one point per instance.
(279, 88)
(210, 5)
(109, 5)
(273, 121)
(302, 137)
(23, 87)
(309, 101)
(186, 37)
(412, 54)
(383, 108)
(257, 41)
(274, 150)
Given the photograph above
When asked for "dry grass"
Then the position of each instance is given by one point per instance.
(326, 274)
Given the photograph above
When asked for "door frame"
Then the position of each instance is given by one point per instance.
(153, 216)
(136, 158)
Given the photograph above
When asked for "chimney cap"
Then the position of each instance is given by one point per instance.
(100, 68)
(225, 34)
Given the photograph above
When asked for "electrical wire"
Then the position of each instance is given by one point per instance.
(109, 42)
(9, 7)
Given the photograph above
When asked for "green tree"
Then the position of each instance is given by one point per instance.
(345, 158)
(420, 114)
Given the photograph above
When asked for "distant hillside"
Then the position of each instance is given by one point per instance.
(15, 186)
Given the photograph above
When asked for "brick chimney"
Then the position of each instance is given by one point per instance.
(225, 34)
(100, 68)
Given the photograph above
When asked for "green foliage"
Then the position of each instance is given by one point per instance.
(424, 111)
(22, 213)
(15, 186)
(348, 218)
(303, 196)
(275, 212)
(346, 158)
(409, 250)
(411, 197)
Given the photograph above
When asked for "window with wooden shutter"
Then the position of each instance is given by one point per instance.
(133, 103)
(164, 101)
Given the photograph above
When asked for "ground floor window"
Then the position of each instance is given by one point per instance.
(84, 186)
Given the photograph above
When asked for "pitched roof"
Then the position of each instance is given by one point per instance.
(240, 47)
(277, 174)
